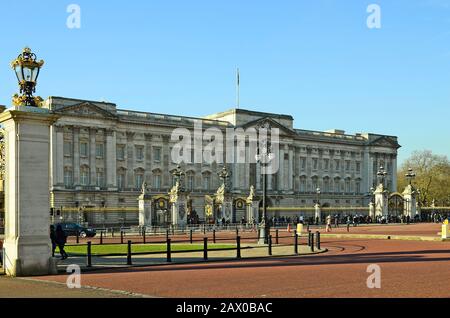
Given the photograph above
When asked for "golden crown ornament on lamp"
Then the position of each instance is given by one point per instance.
(27, 70)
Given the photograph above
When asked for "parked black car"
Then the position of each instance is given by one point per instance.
(71, 229)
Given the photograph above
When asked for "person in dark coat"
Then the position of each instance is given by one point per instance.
(61, 239)
(53, 239)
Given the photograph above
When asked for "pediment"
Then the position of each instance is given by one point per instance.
(86, 109)
(385, 142)
(272, 123)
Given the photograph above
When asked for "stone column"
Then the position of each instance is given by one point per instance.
(179, 210)
(253, 211)
(27, 248)
(381, 202)
(145, 210)
(92, 157)
(111, 169)
(394, 173)
(372, 210)
(76, 156)
(281, 173)
(291, 170)
(409, 202)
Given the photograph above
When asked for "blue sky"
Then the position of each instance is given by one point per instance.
(315, 60)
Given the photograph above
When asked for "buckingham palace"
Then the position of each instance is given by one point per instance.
(101, 156)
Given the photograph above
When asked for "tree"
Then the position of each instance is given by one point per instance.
(432, 176)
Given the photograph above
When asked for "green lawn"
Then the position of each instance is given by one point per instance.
(139, 248)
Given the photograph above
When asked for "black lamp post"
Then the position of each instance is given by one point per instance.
(27, 70)
(178, 174)
(224, 175)
(263, 156)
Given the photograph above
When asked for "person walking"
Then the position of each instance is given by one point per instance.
(53, 239)
(328, 228)
(61, 239)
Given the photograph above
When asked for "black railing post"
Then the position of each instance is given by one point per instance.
(205, 248)
(112, 232)
(101, 237)
(238, 246)
(190, 236)
(169, 252)
(318, 240)
(121, 237)
(348, 227)
(167, 234)
(276, 236)
(144, 239)
(204, 228)
(214, 236)
(78, 237)
(270, 245)
(312, 242)
(309, 238)
(237, 230)
(129, 253)
(89, 256)
(295, 242)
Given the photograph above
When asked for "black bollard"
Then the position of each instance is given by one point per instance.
(312, 242)
(190, 236)
(270, 245)
(101, 237)
(238, 246)
(295, 242)
(169, 253)
(129, 253)
(214, 236)
(143, 237)
(318, 240)
(309, 238)
(205, 248)
(121, 237)
(78, 237)
(89, 258)
(276, 237)
(112, 232)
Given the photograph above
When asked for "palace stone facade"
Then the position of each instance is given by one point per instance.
(101, 155)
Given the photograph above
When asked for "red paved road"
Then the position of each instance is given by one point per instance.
(409, 269)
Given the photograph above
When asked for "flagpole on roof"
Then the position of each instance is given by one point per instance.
(237, 88)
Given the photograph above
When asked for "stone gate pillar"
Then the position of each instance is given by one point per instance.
(381, 202)
(409, 202)
(145, 207)
(317, 213)
(27, 247)
(178, 198)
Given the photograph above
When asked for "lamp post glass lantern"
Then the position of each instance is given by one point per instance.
(382, 175)
(410, 175)
(27, 68)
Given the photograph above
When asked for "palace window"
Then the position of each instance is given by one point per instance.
(206, 181)
(190, 181)
(347, 186)
(315, 162)
(121, 180)
(140, 153)
(68, 177)
(347, 165)
(84, 176)
(358, 186)
(83, 149)
(326, 185)
(303, 163)
(157, 180)
(99, 150)
(302, 184)
(120, 152)
(337, 185)
(157, 154)
(358, 167)
(138, 178)
(326, 164)
(100, 177)
(337, 165)
(67, 148)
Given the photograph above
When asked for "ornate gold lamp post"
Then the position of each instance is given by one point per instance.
(27, 70)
